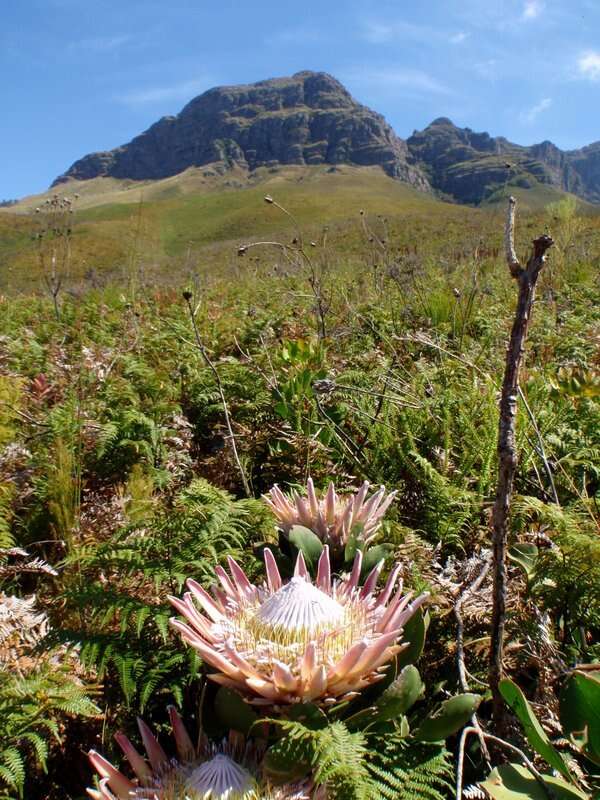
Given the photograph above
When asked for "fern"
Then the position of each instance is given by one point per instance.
(360, 766)
(31, 707)
(403, 769)
(340, 763)
(337, 758)
(121, 606)
(7, 492)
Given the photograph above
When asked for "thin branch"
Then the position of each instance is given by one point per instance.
(217, 378)
(507, 746)
(507, 448)
(509, 239)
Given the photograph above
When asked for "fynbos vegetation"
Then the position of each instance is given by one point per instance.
(304, 515)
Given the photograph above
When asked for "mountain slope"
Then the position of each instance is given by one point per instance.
(307, 119)
(310, 119)
(169, 225)
(472, 167)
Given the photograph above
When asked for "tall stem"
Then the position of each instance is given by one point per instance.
(221, 392)
(507, 450)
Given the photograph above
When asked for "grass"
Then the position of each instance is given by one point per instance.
(110, 419)
(118, 224)
(207, 215)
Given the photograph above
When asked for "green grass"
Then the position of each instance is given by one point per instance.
(123, 225)
(114, 429)
(212, 215)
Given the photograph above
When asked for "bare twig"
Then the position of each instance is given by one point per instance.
(460, 653)
(217, 377)
(507, 746)
(509, 239)
(507, 451)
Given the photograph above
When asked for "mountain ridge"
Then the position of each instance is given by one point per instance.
(307, 119)
(468, 166)
(310, 118)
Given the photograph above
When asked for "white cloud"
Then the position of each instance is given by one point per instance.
(376, 32)
(532, 113)
(382, 32)
(588, 65)
(185, 90)
(102, 44)
(396, 78)
(532, 9)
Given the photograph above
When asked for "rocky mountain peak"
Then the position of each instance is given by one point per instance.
(308, 118)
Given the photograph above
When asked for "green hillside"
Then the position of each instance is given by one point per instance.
(117, 224)
(202, 217)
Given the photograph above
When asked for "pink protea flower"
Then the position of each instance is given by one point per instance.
(230, 771)
(281, 643)
(332, 518)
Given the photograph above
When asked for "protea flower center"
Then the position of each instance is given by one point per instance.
(299, 641)
(298, 611)
(230, 770)
(220, 779)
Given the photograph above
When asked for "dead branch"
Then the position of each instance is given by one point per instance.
(217, 377)
(507, 451)
(470, 588)
(547, 790)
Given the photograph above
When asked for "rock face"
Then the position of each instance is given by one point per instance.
(469, 167)
(309, 118)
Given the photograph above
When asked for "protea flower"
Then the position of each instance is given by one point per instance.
(281, 643)
(230, 771)
(332, 518)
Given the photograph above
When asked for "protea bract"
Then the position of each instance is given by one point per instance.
(333, 518)
(229, 771)
(286, 642)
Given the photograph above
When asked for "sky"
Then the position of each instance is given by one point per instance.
(85, 75)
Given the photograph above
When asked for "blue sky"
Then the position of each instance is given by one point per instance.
(86, 75)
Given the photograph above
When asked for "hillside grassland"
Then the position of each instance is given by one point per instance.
(120, 224)
(370, 347)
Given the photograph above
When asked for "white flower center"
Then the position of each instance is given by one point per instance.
(300, 606)
(220, 779)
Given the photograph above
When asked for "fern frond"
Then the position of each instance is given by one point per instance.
(403, 769)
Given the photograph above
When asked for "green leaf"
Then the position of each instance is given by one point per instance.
(308, 714)
(404, 727)
(580, 711)
(401, 694)
(536, 736)
(515, 782)
(308, 543)
(233, 712)
(450, 718)
(353, 543)
(373, 556)
(525, 555)
(287, 761)
(415, 631)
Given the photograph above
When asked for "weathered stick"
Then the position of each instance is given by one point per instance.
(231, 436)
(507, 452)
(546, 789)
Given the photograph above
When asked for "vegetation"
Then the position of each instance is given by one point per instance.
(371, 351)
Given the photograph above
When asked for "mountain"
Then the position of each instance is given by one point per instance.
(307, 119)
(310, 119)
(472, 167)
